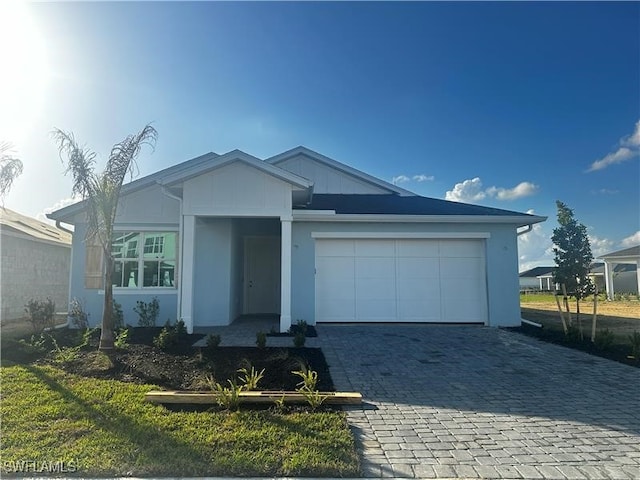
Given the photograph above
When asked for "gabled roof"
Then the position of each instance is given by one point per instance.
(371, 204)
(536, 272)
(230, 157)
(338, 166)
(15, 222)
(138, 184)
(627, 252)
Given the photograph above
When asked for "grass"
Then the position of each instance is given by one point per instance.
(103, 428)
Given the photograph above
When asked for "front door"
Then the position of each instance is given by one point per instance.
(261, 275)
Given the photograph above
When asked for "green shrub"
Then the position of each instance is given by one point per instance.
(41, 314)
(302, 327)
(64, 354)
(35, 345)
(78, 317)
(213, 341)
(121, 340)
(307, 387)
(604, 339)
(299, 339)
(228, 397)
(166, 339)
(180, 328)
(261, 339)
(147, 312)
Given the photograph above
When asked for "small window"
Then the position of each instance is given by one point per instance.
(154, 267)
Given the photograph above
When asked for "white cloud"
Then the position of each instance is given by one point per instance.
(467, 191)
(601, 246)
(416, 178)
(423, 178)
(605, 191)
(628, 147)
(632, 240)
(42, 216)
(400, 179)
(523, 189)
(471, 191)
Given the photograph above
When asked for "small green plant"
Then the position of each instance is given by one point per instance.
(64, 354)
(85, 337)
(299, 339)
(147, 312)
(307, 387)
(302, 327)
(78, 317)
(573, 333)
(604, 339)
(228, 397)
(213, 341)
(280, 404)
(166, 339)
(250, 378)
(36, 344)
(180, 328)
(121, 340)
(40, 314)
(118, 315)
(261, 339)
(634, 339)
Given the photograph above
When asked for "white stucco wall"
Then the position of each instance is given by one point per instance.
(32, 269)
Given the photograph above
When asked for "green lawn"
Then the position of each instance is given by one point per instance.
(103, 428)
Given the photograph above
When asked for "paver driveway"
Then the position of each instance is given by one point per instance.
(475, 402)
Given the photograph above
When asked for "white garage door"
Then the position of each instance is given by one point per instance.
(400, 280)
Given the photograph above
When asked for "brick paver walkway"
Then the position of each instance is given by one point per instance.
(475, 402)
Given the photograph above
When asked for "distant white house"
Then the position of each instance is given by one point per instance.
(622, 280)
(35, 263)
(538, 278)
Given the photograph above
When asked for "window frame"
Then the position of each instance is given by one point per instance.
(142, 235)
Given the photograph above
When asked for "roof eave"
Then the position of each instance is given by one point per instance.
(331, 216)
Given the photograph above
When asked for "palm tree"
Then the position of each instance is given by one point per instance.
(101, 192)
(10, 168)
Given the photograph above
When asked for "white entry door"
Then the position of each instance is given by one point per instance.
(400, 280)
(261, 275)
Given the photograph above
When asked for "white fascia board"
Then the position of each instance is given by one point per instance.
(233, 156)
(402, 235)
(503, 219)
(625, 259)
(339, 166)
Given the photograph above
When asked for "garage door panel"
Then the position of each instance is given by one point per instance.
(461, 267)
(418, 268)
(419, 310)
(418, 248)
(336, 248)
(462, 310)
(374, 267)
(337, 310)
(461, 248)
(419, 290)
(463, 288)
(375, 248)
(375, 310)
(372, 288)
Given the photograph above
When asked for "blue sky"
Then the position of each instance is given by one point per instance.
(510, 105)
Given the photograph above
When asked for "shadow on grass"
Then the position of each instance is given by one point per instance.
(169, 456)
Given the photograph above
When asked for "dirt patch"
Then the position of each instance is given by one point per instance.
(186, 367)
(624, 310)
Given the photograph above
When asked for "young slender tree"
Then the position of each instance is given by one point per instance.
(573, 255)
(100, 192)
(10, 169)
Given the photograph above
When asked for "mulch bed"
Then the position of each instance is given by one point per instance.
(188, 368)
(616, 352)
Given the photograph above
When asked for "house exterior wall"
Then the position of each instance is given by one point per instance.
(327, 179)
(92, 300)
(501, 263)
(236, 190)
(148, 207)
(32, 269)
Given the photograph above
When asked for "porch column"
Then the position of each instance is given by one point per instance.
(186, 290)
(285, 276)
(608, 279)
(638, 276)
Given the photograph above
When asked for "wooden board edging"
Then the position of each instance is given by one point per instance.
(208, 397)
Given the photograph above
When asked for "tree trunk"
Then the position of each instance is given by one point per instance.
(106, 335)
(578, 317)
(564, 324)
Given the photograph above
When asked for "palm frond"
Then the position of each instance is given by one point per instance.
(10, 168)
(80, 162)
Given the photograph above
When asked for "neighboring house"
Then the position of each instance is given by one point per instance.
(35, 263)
(302, 236)
(538, 278)
(630, 280)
